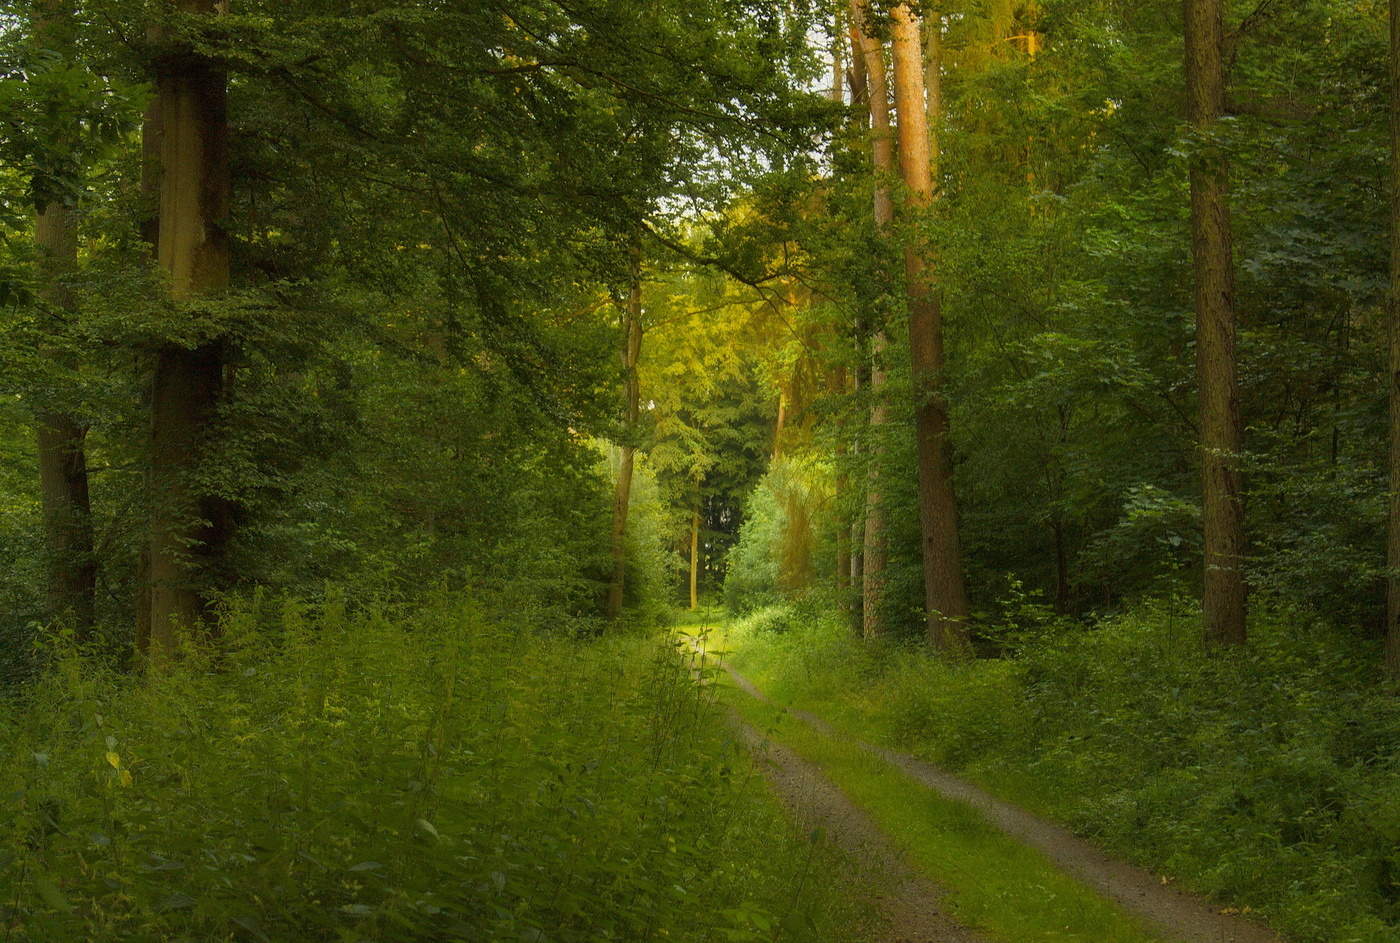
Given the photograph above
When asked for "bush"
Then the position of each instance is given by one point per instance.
(367, 777)
(770, 620)
(751, 567)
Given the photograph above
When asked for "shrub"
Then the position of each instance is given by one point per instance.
(439, 776)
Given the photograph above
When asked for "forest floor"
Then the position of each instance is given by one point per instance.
(911, 906)
(918, 908)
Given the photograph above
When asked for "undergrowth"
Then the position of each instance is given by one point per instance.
(1267, 778)
(357, 777)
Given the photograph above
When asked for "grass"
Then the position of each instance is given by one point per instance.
(1267, 779)
(995, 884)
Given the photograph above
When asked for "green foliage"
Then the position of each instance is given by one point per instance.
(770, 620)
(427, 204)
(435, 775)
(58, 117)
(652, 564)
(782, 545)
(751, 569)
(709, 417)
(1266, 779)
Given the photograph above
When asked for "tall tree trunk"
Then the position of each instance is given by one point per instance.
(843, 534)
(1392, 639)
(67, 513)
(622, 492)
(857, 523)
(779, 426)
(856, 79)
(933, 91)
(1221, 431)
(63, 478)
(945, 594)
(1057, 529)
(188, 529)
(838, 68)
(858, 83)
(840, 386)
(876, 554)
(695, 559)
(150, 233)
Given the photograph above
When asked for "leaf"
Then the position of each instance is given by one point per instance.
(366, 866)
(251, 925)
(50, 894)
(176, 901)
(114, 760)
(427, 826)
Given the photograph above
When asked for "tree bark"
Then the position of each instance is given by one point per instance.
(695, 559)
(945, 593)
(838, 68)
(188, 528)
(779, 426)
(150, 234)
(933, 91)
(622, 493)
(63, 479)
(1224, 598)
(839, 386)
(882, 160)
(1392, 639)
(1057, 529)
(67, 512)
(856, 79)
(856, 527)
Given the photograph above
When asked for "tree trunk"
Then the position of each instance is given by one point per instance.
(695, 559)
(856, 78)
(1062, 606)
(945, 594)
(150, 233)
(63, 484)
(838, 69)
(933, 91)
(1221, 432)
(622, 493)
(188, 529)
(63, 480)
(779, 426)
(839, 386)
(857, 523)
(882, 159)
(1392, 640)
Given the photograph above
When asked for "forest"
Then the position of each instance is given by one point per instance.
(819, 471)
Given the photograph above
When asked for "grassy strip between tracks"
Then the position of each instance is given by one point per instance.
(996, 885)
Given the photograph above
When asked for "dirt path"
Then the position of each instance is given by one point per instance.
(910, 905)
(1174, 913)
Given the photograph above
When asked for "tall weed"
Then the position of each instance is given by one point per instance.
(357, 776)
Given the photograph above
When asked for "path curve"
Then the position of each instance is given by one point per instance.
(1176, 914)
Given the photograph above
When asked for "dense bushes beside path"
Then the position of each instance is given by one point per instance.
(356, 777)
